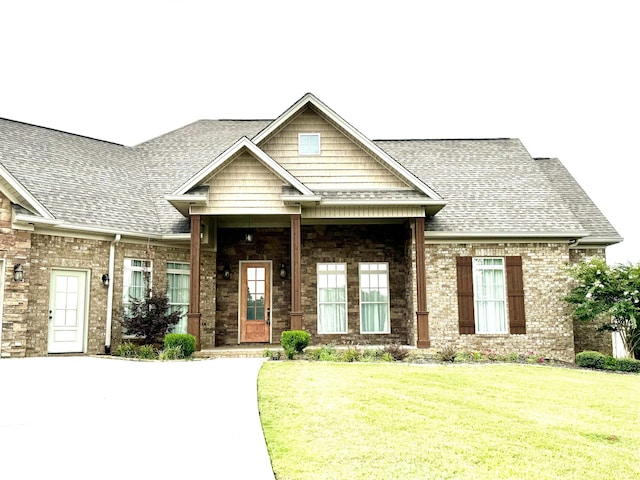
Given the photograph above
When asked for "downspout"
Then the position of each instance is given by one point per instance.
(112, 261)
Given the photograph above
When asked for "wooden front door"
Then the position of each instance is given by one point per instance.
(67, 311)
(255, 301)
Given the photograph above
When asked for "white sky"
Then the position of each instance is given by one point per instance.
(563, 76)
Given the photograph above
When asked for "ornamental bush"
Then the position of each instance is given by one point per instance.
(183, 340)
(149, 317)
(294, 341)
(589, 359)
(628, 365)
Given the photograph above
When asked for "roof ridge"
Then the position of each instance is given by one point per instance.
(62, 131)
(440, 139)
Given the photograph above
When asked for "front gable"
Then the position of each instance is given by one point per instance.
(245, 185)
(349, 151)
(242, 180)
(342, 163)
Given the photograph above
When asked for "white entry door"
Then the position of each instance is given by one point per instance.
(67, 311)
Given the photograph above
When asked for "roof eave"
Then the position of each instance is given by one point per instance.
(600, 240)
(18, 194)
(182, 203)
(57, 225)
(572, 236)
(300, 199)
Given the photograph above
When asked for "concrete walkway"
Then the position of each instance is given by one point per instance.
(99, 418)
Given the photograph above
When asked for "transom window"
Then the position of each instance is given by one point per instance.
(309, 144)
(489, 295)
(178, 292)
(374, 298)
(332, 298)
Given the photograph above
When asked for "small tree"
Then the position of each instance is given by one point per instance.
(149, 317)
(610, 293)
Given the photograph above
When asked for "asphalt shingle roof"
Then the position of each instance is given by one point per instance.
(490, 186)
(576, 198)
(79, 180)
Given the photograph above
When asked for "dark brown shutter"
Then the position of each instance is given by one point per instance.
(466, 318)
(515, 295)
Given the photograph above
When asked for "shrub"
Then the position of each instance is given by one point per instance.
(172, 353)
(371, 355)
(628, 365)
(590, 359)
(511, 357)
(351, 354)
(272, 354)
(447, 354)
(491, 355)
(149, 317)
(127, 350)
(463, 357)
(396, 351)
(387, 357)
(294, 341)
(147, 352)
(184, 340)
(325, 353)
(610, 363)
(477, 356)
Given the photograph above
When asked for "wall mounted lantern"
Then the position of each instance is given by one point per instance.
(283, 271)
(18, 273)
(105, 279)
(226, 273)
(249, 236)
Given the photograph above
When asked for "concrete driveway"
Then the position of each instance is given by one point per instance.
(85, 417)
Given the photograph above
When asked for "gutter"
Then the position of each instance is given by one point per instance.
(112, 259)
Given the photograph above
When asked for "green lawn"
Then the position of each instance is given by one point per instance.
(497, 421)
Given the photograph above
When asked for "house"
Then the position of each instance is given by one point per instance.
(255, 227)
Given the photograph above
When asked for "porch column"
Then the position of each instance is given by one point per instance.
(296, 274)
(193, 317)
(421, 286)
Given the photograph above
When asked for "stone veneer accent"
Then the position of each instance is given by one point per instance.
(15, 247)
(586, 336)
(548, 323)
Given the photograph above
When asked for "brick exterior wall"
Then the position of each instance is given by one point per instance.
(26, 304)
(53, 252)
(15, 247)
(548, 324)
(269, 244)
(586, 336)
(347, 244)
(550, 330)
(160, 255)
(352, 245)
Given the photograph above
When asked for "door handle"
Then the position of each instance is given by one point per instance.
(268, 315)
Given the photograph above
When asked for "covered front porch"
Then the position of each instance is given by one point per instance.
(265, 278)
